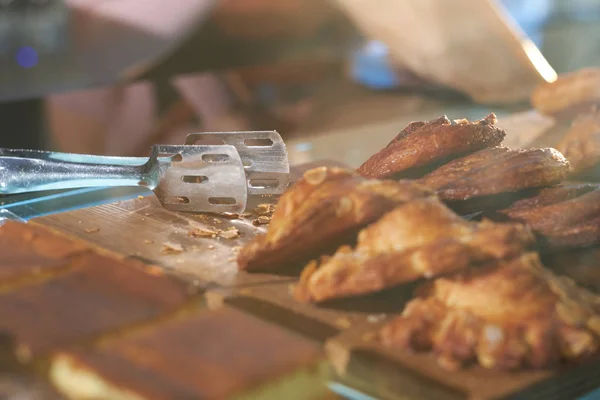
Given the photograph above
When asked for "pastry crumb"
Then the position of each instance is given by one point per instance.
(140, 197)
(202, 233)
(148, 241)
(171, 248)
(92, 230)
(231, 233)
(211, 247)
(262, 220)
(246, 292)
(265, 208)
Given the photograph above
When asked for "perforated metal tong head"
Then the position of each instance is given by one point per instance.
(193, 177)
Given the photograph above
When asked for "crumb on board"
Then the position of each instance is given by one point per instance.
(246, 292)
(291, 288)
(217, 221)
(262, 220)
(203, 233)
(245, 214)
(230, 233)
(171, 248)
(148, 241)
(265, 208)
(92, 230)
(343, 322)
(211, 246)
(147, 214)
(140, 197)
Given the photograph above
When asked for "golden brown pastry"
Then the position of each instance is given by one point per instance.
(569, 94)
(497, 170)
(581, 145)
(431, 143)
(324, 209)
(421, 238)
(551, 195)
(506, 316)
(570, 223)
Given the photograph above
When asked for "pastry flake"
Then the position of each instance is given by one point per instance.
(325, 208)
(507, 315)
(419, 239)
(431, 143)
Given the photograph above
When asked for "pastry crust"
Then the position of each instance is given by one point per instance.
(431, 143)
(325, 208)
(551, 195)
(569, 94)
(422, 238)
(581, 145)
(497, 170)
(504, 316)
(571, 223)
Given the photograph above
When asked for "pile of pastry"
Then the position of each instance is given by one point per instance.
(446, 204)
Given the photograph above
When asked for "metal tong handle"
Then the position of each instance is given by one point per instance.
(24, 171)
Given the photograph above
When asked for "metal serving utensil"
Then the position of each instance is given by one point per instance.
(195, 178)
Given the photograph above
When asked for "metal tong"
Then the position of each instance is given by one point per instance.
(212, 172)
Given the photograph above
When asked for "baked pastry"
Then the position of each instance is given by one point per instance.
(324, 209)
(571, 223)
(497, 170)
(429, 144)
(419, 239)
(220, 354)
(506, 315)
(550, 195)
(581, 145)
(570, 94)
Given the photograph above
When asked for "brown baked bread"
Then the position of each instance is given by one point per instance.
(574, 222)
(497, 170)
(325, 208)
(507, 315)
(419, 239)
(430, 144)
(220, 354)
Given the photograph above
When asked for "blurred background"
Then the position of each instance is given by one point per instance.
(336, 78)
